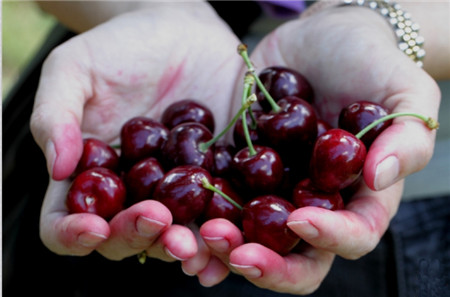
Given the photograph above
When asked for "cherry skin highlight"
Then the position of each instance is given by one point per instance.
(188, 110)
(305, 194)
(337, 160)
(182, 146)
(142, 137)
(358, 115)
(98, 191)
(281, 82)
(97, 153)
(259, 173)
(264, 221)
(181, 191)
(142, 178)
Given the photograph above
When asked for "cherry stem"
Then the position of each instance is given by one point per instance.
(207, 185)
(248, 83)
(242, 50)
(142, 257)
(430, 122)
(203, 147)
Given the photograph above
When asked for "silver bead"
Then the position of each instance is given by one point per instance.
(420, 54)
(420, 40)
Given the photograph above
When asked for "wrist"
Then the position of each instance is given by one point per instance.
(403, 29)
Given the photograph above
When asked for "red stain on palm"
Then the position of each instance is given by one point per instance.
(169, 80)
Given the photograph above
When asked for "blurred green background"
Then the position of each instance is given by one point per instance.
(24, 27)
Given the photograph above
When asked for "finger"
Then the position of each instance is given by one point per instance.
(64, 234)
(295, 273)
(221, 236)
(214, 272)
(208, 268)
(176, 243)
(135, 229)
(198, 262)
(56, 118)
(353, 232)
(403, 148)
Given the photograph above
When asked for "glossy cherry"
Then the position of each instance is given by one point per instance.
(261, 172)
(187, 110)
(219, 207)
(337, 160)
(98, 191)
(183, 146)
(223, 155)
(305, 194)
(181, 191)
(294, 126)
(238, 131)
(97, 153)
(322, 127)
(264, 221)
(358, 115)
(142, 178)
(281, 82)
(142, 137)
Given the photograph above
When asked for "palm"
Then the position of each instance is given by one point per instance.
(137, 73)
(343, 67)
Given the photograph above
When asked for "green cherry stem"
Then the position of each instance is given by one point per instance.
(207, 185)
(430, 122)
(248, 102)
(248, 83)
(242, 50)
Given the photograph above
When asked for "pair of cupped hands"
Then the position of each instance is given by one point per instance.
(138, 63)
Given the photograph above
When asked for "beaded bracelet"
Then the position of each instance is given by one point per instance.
(407, 32)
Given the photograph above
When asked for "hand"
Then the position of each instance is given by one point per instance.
(135, 64)
(347, 54)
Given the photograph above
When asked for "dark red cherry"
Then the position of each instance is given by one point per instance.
(264, 221)
(238, 132)
(97, 153)
(322, 127)
(358, 115)
(181, 191)
(223, 155)
(281, 82)
(219, 207)
(305, 194)
(98, 191)
(294, 126)
(142, 137)
(258, 173)
(337, 160)
(188, 110)
(142, 178)
(183, 146)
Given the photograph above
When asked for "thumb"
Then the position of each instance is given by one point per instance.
(407, 145)
(57, 113)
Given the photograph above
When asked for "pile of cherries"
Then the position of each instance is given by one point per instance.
(283, 157)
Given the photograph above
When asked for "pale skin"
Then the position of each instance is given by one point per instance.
(351, 55)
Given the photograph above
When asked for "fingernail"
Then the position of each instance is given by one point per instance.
(148, 227)
(186, 272)
(50, 153)
(170, 254)
(91, 239)
(386, 173)
(304, 229)
(219, 244)
(248, 270)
